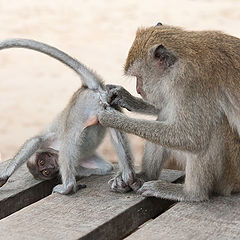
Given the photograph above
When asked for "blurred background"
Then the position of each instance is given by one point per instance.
(34, 87)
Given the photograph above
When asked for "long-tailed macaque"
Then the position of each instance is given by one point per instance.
(191, 81)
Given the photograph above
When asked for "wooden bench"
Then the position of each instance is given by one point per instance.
(28, 210)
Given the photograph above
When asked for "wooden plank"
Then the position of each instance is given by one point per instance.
(91, 213)
(217, 219)
(22, 190)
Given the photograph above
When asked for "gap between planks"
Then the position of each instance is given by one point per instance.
(91, 213)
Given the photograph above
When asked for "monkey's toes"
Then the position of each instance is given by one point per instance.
(149, 193)
(118, 185)
(137, 184)
(148, 189)
(3, 180)
(71, 188)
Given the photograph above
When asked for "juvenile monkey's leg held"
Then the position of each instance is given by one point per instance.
(126, 180)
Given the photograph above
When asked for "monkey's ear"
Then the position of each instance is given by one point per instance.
(164, 56)
(159, 24)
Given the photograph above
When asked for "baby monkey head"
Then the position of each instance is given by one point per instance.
(45, 164)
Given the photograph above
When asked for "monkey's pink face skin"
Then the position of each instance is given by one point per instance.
(47, 165)
(44, 166)
(139, 87)
(136, 71)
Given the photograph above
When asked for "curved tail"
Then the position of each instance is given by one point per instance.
(89, 78)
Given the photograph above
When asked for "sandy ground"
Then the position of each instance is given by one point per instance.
(34, 88)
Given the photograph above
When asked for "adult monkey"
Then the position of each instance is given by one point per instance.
(70, 141)
(190, 80)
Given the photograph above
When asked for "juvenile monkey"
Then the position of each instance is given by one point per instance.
(190, 80)
(70, 141)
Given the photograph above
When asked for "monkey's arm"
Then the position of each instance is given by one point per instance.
(118, 96)
(178, 136)
(126, 179)
(27, 150)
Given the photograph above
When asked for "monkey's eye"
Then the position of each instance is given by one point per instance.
(41, 162)
(45, 172)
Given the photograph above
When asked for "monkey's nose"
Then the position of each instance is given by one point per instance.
(139, 85)
(138, 90)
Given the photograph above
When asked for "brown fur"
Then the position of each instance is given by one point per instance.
(192, 78)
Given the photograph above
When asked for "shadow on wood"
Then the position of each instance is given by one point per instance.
(91, 213)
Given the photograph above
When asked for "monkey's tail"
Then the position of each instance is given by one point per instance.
(89, 78)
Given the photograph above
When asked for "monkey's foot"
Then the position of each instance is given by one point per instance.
(172, 191)
(118, 185)
(162, 189)
(3, 180)
(70, 188)
(124, 183)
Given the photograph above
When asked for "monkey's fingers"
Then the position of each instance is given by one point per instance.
(112, 94)
(137, 184)
(132, 181)
(111, 86)
(118, 185)
(3, 180)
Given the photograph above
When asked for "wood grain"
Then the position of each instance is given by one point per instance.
(91, 213)
(217, 219)
(22, 190)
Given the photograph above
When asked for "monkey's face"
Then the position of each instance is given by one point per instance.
(154, 74)
(44, 166)
(152, 64)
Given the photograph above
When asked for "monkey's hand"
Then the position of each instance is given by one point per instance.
(108, 116)
(125, 182)
(117, 96)
(3, 180)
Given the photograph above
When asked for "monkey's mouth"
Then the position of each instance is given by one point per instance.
(142, 93)
(139, 88)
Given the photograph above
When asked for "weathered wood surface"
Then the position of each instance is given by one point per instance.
(217, 219)
(91, 213)
(22, 190)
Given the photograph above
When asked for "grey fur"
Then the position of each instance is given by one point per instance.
(68, 134)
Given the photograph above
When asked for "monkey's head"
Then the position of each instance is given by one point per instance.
(156, 57)
(45, 164)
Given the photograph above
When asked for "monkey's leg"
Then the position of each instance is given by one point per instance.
(94, 165)
(68, 154)
(27, 150)
(153, 159)
(196, 188)
(126, 179)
